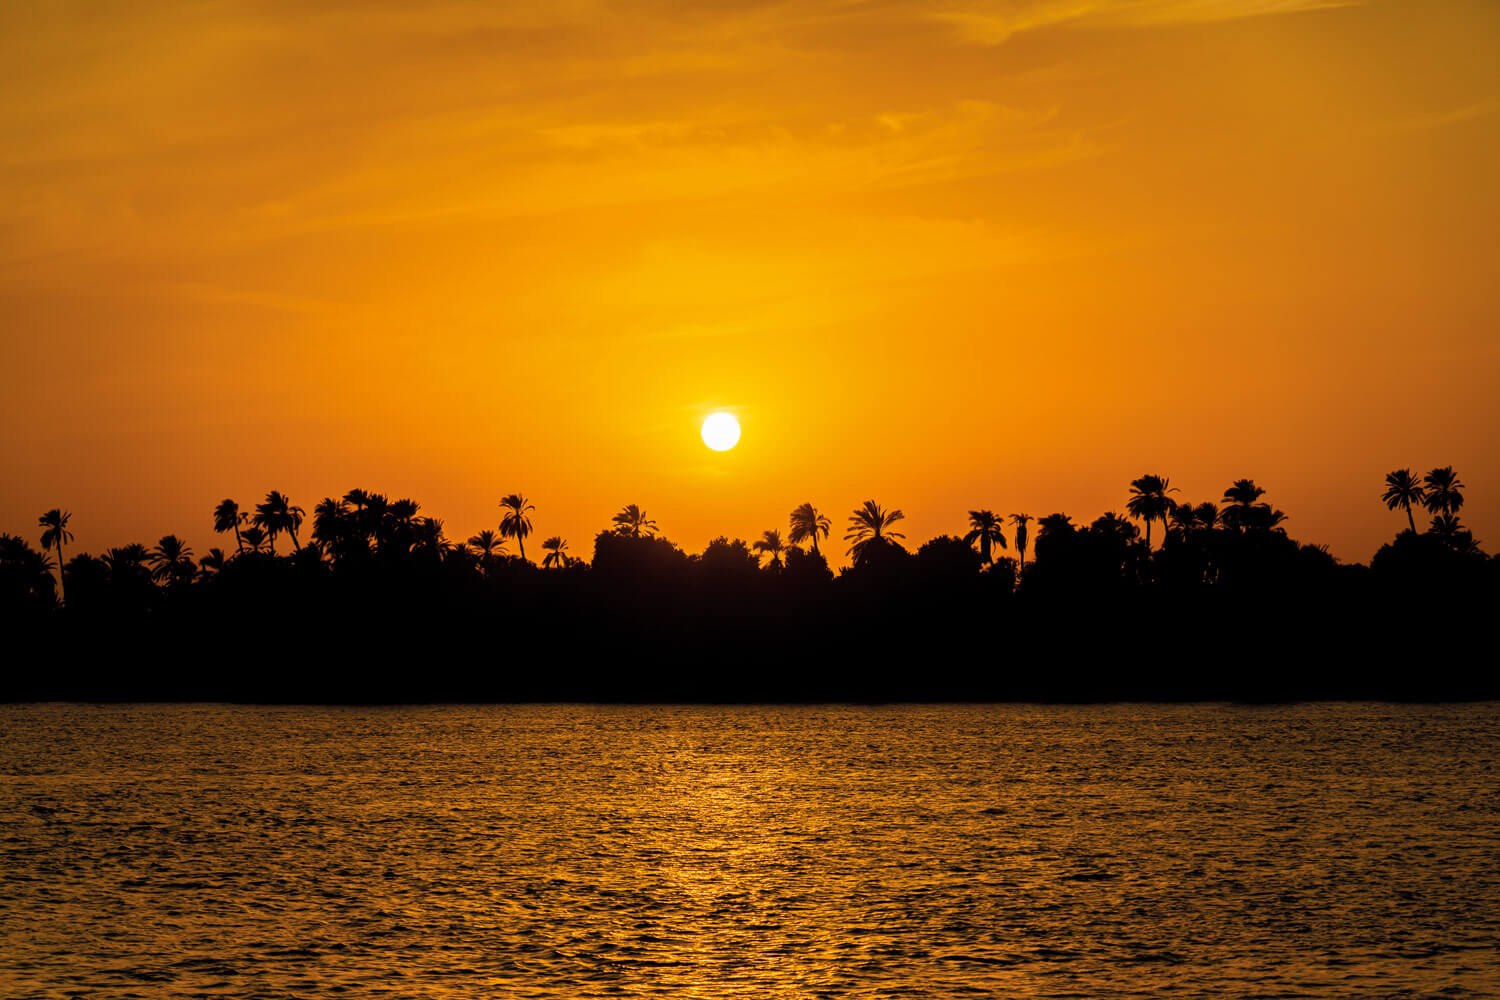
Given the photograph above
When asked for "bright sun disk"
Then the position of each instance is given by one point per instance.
(721, 431)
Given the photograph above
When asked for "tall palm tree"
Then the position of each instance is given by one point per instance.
(633, 522)
(1402, 489)
(1444, 491)
(1021, 521)
(1149, 501)
(557, 552)
(986, 529)
(171, 561)
(870, 528)
(770, 544)
(515, 524)
(807, 524)
(228, 517)
(55, 532)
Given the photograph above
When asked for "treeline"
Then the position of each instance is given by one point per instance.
(372, 601)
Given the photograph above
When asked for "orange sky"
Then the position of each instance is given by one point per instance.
(1001, 253)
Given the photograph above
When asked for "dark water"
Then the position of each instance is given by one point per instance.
(1328, 850)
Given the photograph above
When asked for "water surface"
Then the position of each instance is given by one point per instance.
(567, 851)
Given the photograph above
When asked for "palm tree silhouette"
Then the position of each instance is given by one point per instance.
(1149, 501)
(171, 561)
(255, 536)
(1444, 491)
(986, 528)
(1184, 519)
(330, 518)
(1241, 498)
(770, 544)
(487, 546)
(1021, 521)
(277, 515)
(1402, 489)
(515, 524)
(633, 522)
(870, 528)
(227, 517)
(55, 533)
(1207, 515)
(212, 563)
(557, 552)
(807, 524)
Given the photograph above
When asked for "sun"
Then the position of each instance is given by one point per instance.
(721, 431)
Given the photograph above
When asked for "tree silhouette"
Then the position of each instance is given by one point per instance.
(55, 532)
(172, 561)
(807, 524)
(557, 552)
(1020, 521)
(870, 530)
(330, 524)
(1149, 501)
(488, 546)
(1242, 498)
(986, 529)
(1207, 515)
(1184, 519)
(212, 563)
(1402, 489)
(770, 544)
(633, 522)
(514, 523)
(255, 536)
(1444, 492)
(276, 515)
(227, 517)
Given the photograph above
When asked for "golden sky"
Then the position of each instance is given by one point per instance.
(1000, 253)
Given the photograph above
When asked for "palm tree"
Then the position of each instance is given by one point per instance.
(1444, 491)
(515, 524)
(1402, 489)
(171, 561)
(330, 518)
(428, 532)
(986, 529)
(255, 537)
(770, 544)
(55, 533)
(557, 552)
(212, 563)
(807, 524)
(1207, 514)
(870, 528)
(277, 515)
(633, 522)
(227, 517)
(1149, 501)
(1021, 521)
(1184, 519)
(1241, 498)
(487, 546)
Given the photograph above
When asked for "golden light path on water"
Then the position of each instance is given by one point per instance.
(933, 851)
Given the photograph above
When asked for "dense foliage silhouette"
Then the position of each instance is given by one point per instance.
(379, 604)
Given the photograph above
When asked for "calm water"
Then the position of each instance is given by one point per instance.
(1341, 851)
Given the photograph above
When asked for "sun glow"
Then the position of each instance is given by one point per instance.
(721, 431)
